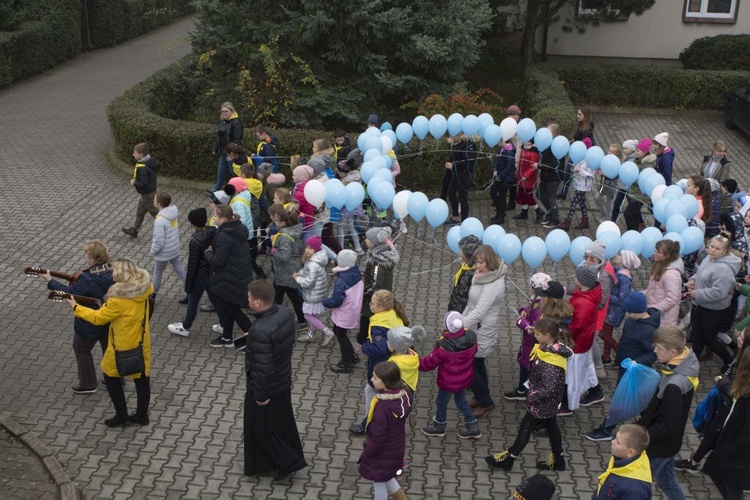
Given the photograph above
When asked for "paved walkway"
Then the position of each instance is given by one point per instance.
(59, 191)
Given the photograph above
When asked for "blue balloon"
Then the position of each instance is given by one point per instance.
(385, 174)
(558, 243)
(391, 135)
(485, 120)
(693, 238)
(594, 156)
(420, 125)
(578, 248)
(577, 152)
(509, 248)
(534, 250)
(677, 237)
(542, 139)
(404, 132)
(373, 142)
(453, 237)
(643, 178)
(610, 166)
(691, 204)
(651, 182)
(492, 235)
(659, 208)
(470, 125)
(628, 173)
(492, 135)
(371, 154)
(454, 124)
(383, 194)
(560, 147)
(437, 125)
(380, 162)
(651, 236)
(361, 141)
(367, 171)
(336, 194)
(355, 195)
(417, 205)
(526, 129)
(472, 225)
(388, 159)
(437, 212)
(676, 224)
(673, 192)
(611, 242)
(675, 207)
(386, 126)
(375, 131)
(632, 240)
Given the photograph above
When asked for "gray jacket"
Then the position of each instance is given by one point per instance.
(714, 281)
(285, 255)
(166, 243)
(312, 278)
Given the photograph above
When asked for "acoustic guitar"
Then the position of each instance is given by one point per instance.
(59, 296)
(36, 271)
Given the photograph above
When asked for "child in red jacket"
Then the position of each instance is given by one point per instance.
(453, 356)
(527, 172)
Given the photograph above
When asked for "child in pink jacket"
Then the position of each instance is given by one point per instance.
(346, 302)
(453, 356)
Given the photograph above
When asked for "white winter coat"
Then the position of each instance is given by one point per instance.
(486, 296)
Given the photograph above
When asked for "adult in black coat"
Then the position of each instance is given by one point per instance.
(230, 273)
(461, 164)
(229, 130)
(271, 438)
(94, 281)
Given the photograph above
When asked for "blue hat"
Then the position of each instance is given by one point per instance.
(635, 302)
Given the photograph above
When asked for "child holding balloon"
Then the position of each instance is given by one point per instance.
(527, 172)
(583, 180)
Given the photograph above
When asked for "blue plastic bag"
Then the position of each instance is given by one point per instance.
(634, 392)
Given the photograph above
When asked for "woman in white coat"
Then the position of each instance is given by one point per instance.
(482, 315)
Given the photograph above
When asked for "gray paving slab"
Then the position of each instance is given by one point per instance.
(59, 191)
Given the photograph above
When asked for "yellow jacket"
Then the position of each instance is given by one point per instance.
(124, 311)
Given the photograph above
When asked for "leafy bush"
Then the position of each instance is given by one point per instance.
(51, 34)
(108, 22)
(184, 148)
(546, 100)
(721, 52)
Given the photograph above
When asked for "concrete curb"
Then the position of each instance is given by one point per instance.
(56, 470)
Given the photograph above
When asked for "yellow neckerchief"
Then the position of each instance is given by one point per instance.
(374, 403)
(287, 205)
(336, 150)
(234, 115)
(263, 143)
(461, 270)
(676, 361)
(276, 237)
(392, 154)
(241, 200)
(236, 168)
(550, 358)
(173, 222)
(387, 319)
(255, 187)
(137, 166)
(409, 365)
(639, 469)
(210, 222)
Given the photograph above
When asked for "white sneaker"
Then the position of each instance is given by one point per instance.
(307, 337)
(327, 336)
(178, 329)
(217, 328)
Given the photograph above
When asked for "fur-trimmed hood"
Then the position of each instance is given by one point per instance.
(385, 256)
(132, 289)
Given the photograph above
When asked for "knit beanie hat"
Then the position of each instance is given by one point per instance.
(346, 258)
(303, 172)
(635, 302)
(514, 110)
(343, 166)
(629, 259)
(220, 197)
(314, 242)
(378, 235)
(537, 487)
(468, 245)
(239, 184)
(587, 142)
(373, 119)
(644, 145)
(552, 289)
(198, 217)
(265, 169)
(454, 321)
(730, 185)
(354, 158)
(662, 138)
(276, 179)
(630, 144)
(402, 338)
(596, 249)
(587, 274)
(539, 280)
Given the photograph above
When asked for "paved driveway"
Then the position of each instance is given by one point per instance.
(59, 191)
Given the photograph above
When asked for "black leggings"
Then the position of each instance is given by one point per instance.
(294, 298)
(504, 196)
(524, 434)
(347, 351)
(705, 328)
(458, 191)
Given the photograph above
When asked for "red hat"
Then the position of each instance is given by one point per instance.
(644, 145)
(314, 242)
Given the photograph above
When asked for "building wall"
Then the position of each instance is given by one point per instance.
(658, 33)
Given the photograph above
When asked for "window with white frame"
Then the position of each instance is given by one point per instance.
(592, 7)
(710, 11)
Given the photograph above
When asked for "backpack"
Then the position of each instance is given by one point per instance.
(706, 410)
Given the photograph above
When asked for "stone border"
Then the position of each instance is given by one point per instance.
(56, 470)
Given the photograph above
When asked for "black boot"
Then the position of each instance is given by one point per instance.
(117, 395)
(522, 215)
(539, 215)
(143, 390)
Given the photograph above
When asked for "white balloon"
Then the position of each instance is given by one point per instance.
(315, 193)
(607, 226)
(387, 144)
(508, 128)
(400, 203)
(657, 192)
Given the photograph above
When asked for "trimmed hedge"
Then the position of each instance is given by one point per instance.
(42, 44)
(112, 21)
(721, 52)
(184, 148)
(547, 101)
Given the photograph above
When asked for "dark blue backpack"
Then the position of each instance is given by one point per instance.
(706, 411)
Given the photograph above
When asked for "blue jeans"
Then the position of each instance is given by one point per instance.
(222, 172)
(194, 298)
(463, 406)
(662, 472)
